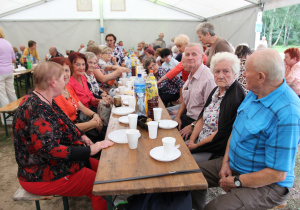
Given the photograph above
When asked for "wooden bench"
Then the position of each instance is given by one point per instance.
(23, 195)
(10, 110)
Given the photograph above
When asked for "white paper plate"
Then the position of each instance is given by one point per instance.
(122, 110)
(124, 120)
(158, 154)
(167, 124)
(119, 136)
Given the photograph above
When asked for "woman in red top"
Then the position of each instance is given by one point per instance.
(70, 104)
(79, 83)
(53, 156)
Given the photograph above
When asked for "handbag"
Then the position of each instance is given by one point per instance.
(104, 112)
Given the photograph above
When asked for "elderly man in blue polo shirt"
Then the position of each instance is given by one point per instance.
(257, 169)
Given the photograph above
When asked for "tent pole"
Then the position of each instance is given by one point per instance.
(101, 23)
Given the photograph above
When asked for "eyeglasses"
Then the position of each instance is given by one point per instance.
(110, 40)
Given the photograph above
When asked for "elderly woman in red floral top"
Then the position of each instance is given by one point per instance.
(52, 154)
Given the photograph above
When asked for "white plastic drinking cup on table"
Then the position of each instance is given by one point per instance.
(132, 102)
(157, 113)
(129, 85)
(169, 146)
(122, 90)
(124, 74)
(123, 81)
(132, 121)
(132, 137)
(152, 129)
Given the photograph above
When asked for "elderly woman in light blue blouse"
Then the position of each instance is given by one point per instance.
(212, 130)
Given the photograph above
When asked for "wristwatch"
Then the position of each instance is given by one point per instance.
(237, 181)
(193, 125)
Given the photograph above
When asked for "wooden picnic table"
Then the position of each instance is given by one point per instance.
(18, 74)
(119, 162)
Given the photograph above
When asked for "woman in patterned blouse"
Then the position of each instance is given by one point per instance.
(212, 130)
(242, 52)
(52, 154)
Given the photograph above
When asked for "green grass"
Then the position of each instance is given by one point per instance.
(281, 48)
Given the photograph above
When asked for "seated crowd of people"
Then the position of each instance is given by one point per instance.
(237, 110)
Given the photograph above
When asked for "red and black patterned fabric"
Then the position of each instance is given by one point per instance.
(47, 143)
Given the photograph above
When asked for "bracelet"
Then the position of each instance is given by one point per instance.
(93, 115)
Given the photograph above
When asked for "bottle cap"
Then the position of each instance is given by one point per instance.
(139, 75)
(151, 71)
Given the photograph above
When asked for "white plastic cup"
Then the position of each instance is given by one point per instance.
(124, 80)
(132, 121)
(157, 113)
(169, 146)
(132, 102)
(132, 137)
(121, 90)
(129, 85)
(152, 129)
(124, 74)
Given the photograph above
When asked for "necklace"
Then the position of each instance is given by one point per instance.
(65, 91)
(44, 98)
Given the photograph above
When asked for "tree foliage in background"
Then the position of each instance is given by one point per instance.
(281, 26)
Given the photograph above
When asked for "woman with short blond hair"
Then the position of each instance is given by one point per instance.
(52, 154)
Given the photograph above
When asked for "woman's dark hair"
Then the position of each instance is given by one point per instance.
(115, 38)
(74, 56)
(165, 52)
(61, 60)
(242, 51)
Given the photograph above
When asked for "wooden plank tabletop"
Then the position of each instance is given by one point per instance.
(16, 73)
(119, 162)
(12, 107)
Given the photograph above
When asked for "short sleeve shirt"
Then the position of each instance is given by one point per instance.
(266, 133)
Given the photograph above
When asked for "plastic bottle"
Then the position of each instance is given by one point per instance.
(128, 63)
(139, 90)
(28, 62)
(151, 95)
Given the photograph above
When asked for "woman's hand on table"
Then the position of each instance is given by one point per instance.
(86, 140)
(95, 148)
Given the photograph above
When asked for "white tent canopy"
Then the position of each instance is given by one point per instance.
(59, 23)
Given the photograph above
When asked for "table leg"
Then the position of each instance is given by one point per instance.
(18, 91)
(5, 126)
(26, 83)
(109, 207)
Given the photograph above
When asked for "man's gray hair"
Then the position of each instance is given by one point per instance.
(205, 28)
(196, 44)
(89, 55)
(226, 56)
(269, 62)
